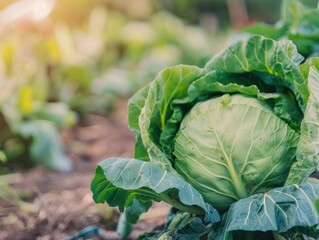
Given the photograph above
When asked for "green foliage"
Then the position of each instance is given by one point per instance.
(308, 146)
(152, 182)
(242, 131)
(270, 211)
(55, 71)
(299, 23)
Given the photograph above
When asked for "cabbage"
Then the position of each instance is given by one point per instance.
(231, 146)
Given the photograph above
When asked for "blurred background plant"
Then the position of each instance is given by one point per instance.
(61, 60)
(299, 22)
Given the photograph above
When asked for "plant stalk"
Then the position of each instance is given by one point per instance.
(277, 236)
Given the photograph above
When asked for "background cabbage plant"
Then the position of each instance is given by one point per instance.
(299, 23)
(230, 146)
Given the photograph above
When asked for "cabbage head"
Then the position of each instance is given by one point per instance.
(231, 147)
(232, 144)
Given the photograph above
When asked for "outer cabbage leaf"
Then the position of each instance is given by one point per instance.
(310, 62)
(120, 181)
(265, 55)
(136, 103)
(279, 210)
(291, 50)
(169, 85)
(308, 146)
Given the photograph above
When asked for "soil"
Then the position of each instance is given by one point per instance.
(58, 205)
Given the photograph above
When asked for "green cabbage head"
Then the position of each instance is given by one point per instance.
(233, 146)
(234, 142)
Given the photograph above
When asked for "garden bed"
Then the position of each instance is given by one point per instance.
(60, 204)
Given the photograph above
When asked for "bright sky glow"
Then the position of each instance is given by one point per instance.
(35, 10)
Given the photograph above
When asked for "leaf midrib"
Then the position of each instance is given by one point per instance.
(239, 187)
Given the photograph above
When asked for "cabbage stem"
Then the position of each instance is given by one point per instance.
(277, 236)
